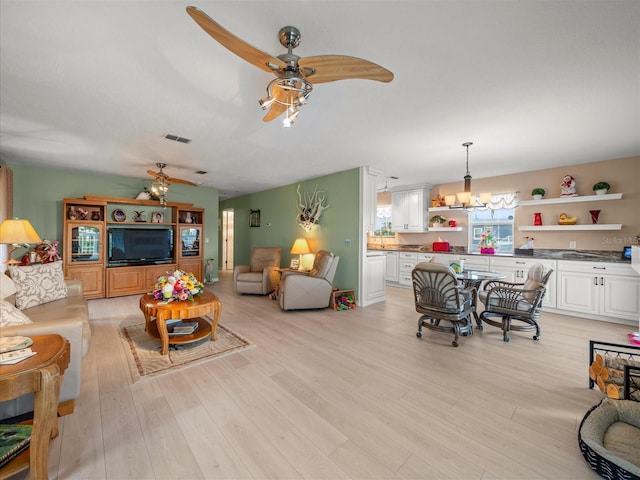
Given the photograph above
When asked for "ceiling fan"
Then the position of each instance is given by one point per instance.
(295, 76)
(159, 188)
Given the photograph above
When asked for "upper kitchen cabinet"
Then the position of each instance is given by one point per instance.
(409, 208)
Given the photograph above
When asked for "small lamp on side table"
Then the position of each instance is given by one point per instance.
(300, 247)
(17, 232)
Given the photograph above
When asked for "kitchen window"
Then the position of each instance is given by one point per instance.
(499, 222)
(383, 221)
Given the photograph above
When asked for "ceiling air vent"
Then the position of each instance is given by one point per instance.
(176, 138)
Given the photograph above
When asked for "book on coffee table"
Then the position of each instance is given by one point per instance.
(13, 440)
(10, 358)
(182, 328)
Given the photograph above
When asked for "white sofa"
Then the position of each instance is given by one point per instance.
(68, 317)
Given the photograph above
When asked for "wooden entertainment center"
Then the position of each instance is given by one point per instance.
(86, 253)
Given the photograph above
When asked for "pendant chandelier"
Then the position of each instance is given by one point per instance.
(466, 199)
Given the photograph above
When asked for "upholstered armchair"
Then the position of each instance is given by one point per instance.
(261, 276)
(305, 290)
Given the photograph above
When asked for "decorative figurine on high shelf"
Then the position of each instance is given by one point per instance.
(568, 186)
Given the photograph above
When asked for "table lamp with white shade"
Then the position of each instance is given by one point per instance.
(17, 232)
(300, 247)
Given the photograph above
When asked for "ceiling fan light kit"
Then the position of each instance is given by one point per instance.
(160, 186)
(295, 75)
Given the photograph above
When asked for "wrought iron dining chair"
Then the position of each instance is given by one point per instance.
(505, 302)
(439, 298)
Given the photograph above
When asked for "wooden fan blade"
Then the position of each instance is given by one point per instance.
(179, 180)
(329, 68)
(275, 111)
(256, 57)
(152, 173)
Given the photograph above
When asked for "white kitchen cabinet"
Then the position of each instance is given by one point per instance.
(475, 262)
(601, 289)
(516, 269)
(392, 266)
(374, 290)
(425, 257)
(408, 210)
(408, 260)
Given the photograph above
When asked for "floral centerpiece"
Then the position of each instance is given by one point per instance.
(178, 286)
(488, 243)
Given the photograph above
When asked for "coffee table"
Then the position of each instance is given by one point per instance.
(157, 312)
(41, 374)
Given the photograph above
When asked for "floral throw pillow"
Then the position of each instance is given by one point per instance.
(10, 315)
(38, 284)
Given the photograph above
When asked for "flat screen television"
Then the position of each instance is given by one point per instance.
(139, 246)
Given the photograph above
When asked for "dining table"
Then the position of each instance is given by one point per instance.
(473, 279)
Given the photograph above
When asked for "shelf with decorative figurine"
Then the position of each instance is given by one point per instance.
(565, 222)
(573, 199)
(599, 226)
(446, 229)
(440, 224)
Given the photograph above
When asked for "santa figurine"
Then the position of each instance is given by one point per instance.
(568, 186)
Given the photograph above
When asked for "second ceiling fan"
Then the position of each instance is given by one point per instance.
(295, 76)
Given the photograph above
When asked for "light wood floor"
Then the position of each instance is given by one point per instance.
(335, 395)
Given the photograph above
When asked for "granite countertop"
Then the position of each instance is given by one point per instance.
(581, 255)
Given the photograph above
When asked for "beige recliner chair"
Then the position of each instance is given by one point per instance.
(304, 290)
(261, 276)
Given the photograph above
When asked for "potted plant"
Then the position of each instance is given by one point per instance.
(438, 220)
(601, 188)
(538, 193)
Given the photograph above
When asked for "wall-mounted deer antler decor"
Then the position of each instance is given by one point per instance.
(310, 207)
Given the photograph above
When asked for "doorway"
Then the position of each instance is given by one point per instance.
(227, 239)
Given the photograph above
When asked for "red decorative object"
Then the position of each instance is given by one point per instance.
(440, 246)
(453, 223)
(594, 216)
(537, 219)
(487, 251)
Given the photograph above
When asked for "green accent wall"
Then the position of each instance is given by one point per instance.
(38, 194)
(338, 224)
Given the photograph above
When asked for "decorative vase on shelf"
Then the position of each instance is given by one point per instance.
(594, 215)
(537, 197)
(537, 219)
(601, 191)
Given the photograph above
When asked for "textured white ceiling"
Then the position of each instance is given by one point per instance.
(94, 85)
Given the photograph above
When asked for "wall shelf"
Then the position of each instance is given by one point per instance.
(453, 211)
(576, 199)
(446, 229)
(598, 226)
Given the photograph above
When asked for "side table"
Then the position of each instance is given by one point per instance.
(42, 375)
(193, 310)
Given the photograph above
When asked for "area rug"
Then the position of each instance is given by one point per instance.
(145, 360)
